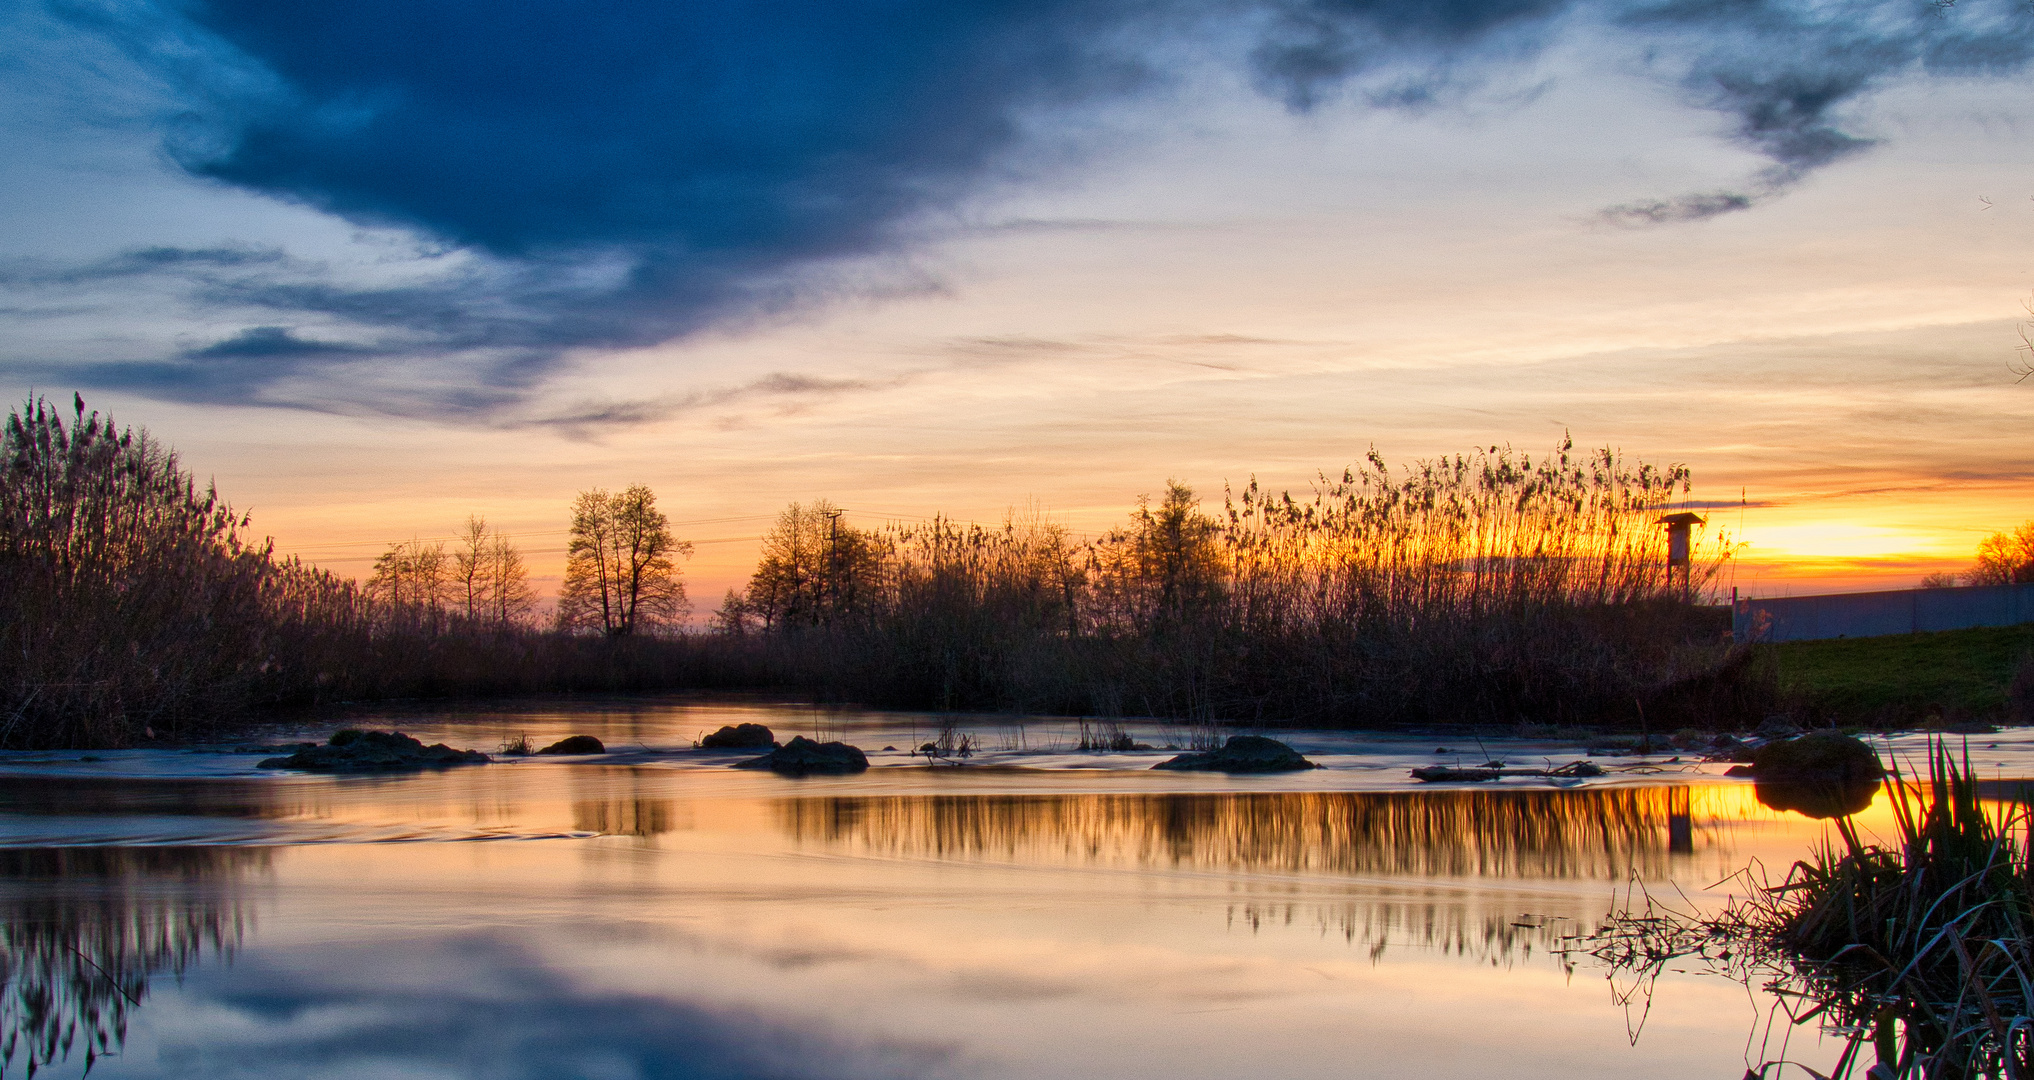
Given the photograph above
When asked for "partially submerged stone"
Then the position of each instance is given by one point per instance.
(374, 751)
(1242, 754)
(803, 757)
(1829, 757)
(739, 737)
(575, 744)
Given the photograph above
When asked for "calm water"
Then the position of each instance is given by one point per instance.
(1043, 913)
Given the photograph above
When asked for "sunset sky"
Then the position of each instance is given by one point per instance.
(374, 266)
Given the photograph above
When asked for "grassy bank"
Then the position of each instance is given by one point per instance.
(1906, 679)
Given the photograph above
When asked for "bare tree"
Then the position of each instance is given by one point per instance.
(508, 584)
(619, 575)
(410, 577)
(472, 579)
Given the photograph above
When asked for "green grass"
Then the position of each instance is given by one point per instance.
(1906, 678)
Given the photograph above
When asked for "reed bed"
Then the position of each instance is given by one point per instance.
(1490, 587)
(1487, 587)
(1915, 951)
(137, 607)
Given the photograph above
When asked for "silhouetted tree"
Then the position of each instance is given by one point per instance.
(470, 575)
(2004, 558)
(411, 578)
(619, 575)
(510, 597)
(814, 570)
(1166, 569)
(488, 578)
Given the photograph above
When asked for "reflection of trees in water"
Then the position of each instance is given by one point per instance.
(1422, 844)
(623, 817)
(72, 795)
(85, 928)
(1602, 834)
(1483, 927)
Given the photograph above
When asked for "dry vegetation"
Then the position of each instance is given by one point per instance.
(138, 608)
(1915, 951)
(1490, 587)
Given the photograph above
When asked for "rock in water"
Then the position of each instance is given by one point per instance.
(1242, 754)
(739, 737)
(374, 751)
(1817, 757)
(575, 744)
(801, 757)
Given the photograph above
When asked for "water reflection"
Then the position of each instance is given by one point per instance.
(1819, 800)
(1460, 872)
(82, 930)
(1601, 834)
(72, 796)
(623, 817)
(1485, 928)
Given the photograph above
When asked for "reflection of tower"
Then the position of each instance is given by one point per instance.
(1680, 821)
(1680, 554)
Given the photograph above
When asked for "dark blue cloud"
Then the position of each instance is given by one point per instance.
(484, 1007)
(1311, 48)
(615, 175)
(692, 130)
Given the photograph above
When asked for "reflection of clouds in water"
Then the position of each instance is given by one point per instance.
(1600, 834)
(82, 930)
(484, 1007)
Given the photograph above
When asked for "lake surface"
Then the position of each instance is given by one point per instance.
(1039, 912)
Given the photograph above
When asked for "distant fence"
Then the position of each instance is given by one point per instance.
(1876, 614)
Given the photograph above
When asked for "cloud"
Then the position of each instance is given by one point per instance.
(1781, 71)
(1678, 208)
(786, 393)
(483, 1007)
(1310, 49)
(597, 177)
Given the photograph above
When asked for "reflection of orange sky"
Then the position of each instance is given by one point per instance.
(1145, 941)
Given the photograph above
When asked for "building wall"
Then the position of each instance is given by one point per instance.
(1876, 614)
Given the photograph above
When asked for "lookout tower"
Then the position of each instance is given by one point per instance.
(1679, 551)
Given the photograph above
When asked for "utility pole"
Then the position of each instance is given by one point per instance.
(833, 551)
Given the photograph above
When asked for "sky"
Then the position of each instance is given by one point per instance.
(375, 266)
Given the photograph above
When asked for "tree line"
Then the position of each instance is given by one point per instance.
(138, 606)
(1487, 586)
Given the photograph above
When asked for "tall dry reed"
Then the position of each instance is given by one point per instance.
(1485, 587)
